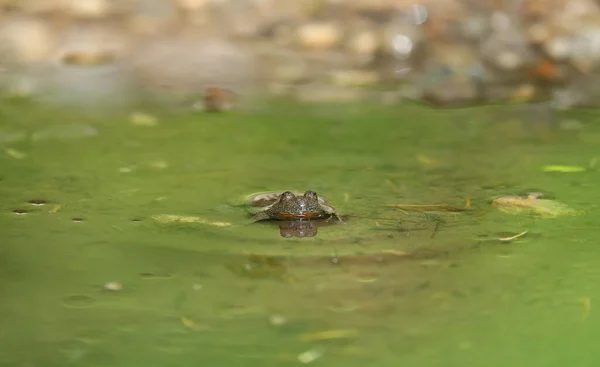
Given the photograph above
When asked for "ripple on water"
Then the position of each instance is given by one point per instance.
(78, 301)
(37, 202)
(158, 275)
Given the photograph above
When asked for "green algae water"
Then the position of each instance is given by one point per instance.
(91, 278)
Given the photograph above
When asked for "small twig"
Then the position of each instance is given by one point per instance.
(512, 237)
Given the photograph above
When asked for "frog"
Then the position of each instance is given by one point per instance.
(290, 206)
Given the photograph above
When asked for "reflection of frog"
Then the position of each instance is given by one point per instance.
(292, 207)
(298, 228)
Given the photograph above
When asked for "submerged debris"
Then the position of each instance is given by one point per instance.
(563, 169)
(430, 207)
(219, 99)
(533, 204)
(329, 335)
(171, 218)
(13, 153)
(143, 119)
(510, 238)
(311, 355)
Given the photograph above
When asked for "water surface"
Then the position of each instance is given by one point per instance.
(394, 288)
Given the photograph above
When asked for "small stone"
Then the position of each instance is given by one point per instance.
(190, 5)
(319, 35)
(27, 39)
(558, 48)
(363, 43)
(88, 8)
(538, 33)
(354, 77)
(475, 28)
(524, 93)
(219, 99)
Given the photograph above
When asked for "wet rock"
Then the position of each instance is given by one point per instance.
(558, 48)
(88, 8)
(26, 39)
(363, 41)
(507, 50)
(354, 77)
(585, 50)
(191, 5)
(319, 35)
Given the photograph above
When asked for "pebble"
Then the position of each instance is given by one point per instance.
(192, 5)
(54, 49)
(319, 35)
(88, 8)
(363, 42)
(354, 77)
(27, 38)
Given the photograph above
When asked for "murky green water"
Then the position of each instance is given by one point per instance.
(402, 289)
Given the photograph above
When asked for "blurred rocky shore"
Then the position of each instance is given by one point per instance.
(445, 52)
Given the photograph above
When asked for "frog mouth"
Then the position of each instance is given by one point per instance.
(306, 215)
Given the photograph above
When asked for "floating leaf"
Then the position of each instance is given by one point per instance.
(563, 169)
(329, 335)
(171, 218)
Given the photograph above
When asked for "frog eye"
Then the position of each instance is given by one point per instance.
(310, 194)
(288, 195)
